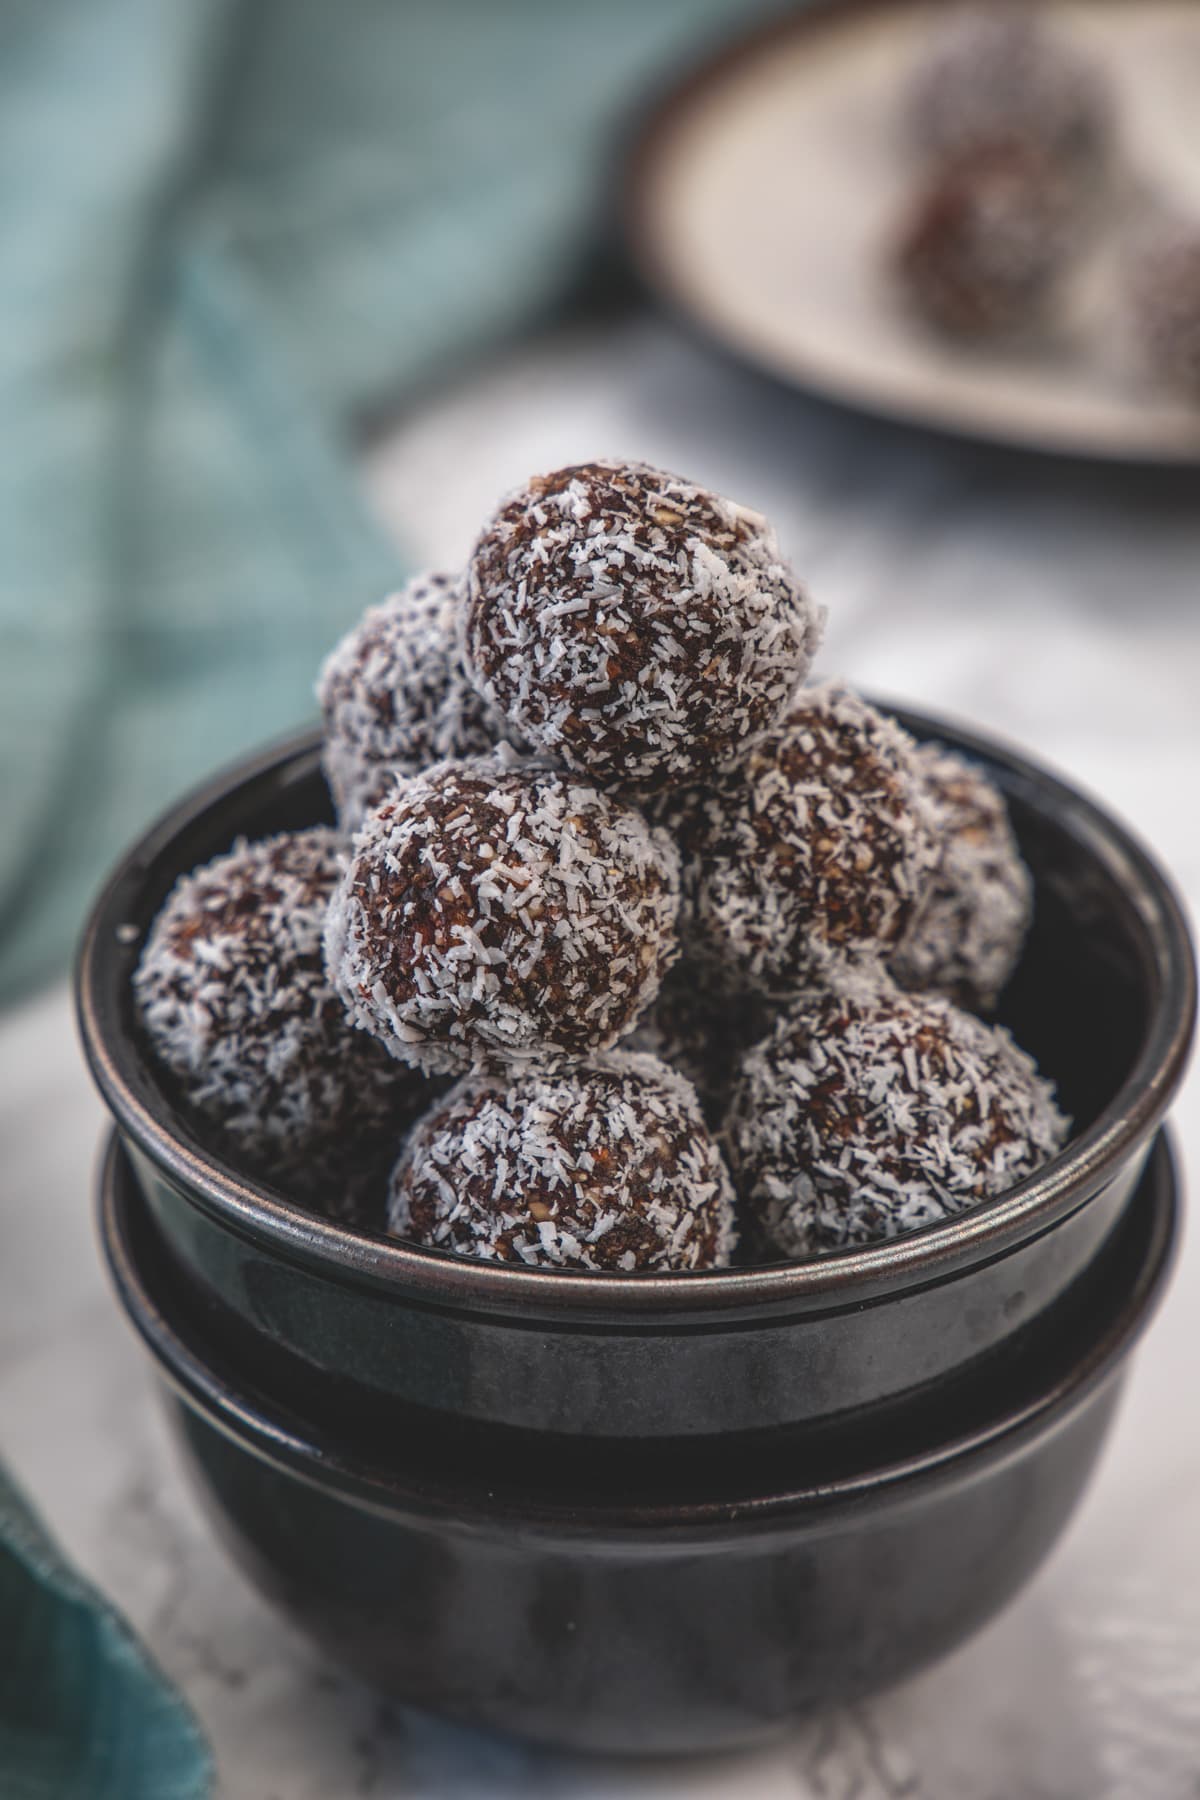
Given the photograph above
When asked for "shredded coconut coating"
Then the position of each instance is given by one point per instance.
(605, 1166)
(985, 241)
(232, 994)
(969, 931)
(498, 911)
(870, 1112)
(1162, 299)
(395, 697)
(700, 1028)
(820, 844)
(633, 626)
(995, 74)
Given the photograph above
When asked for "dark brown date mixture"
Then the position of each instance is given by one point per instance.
(995, 75)
(394, 696)
(970, 927)
(869, 1112)
(499, 911)
(819, 845)
(632, 625)
(699, 1027)
(232, 993)
(1162, 298)
(606, 1165)
(981, 249)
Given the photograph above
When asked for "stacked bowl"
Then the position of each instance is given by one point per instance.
(657, 1511)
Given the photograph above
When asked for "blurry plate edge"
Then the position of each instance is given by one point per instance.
(653, 131)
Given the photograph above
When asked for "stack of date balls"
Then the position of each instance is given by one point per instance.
(635, 948)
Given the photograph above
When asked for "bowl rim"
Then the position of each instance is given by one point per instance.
(345, 1255)
(275, 1434)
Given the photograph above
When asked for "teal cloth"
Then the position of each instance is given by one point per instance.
(229, 228)
(83, 1714)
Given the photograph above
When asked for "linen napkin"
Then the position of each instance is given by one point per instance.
(83, 1714)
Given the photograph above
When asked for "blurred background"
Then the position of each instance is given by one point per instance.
(289, 296)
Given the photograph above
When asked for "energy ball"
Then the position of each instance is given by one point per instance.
(996, 76)
(232, 994)
(968, 934)
(395, 697)
(638, 629)
(497, 911)
(606, 1165)
(985, 243)
(701, 1029)
(820, 844)
(869, 1112)
(1162, 298)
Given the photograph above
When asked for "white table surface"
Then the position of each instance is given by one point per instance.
(1057, 607)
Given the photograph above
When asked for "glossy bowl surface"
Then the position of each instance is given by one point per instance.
(705, 1610)
(1104, 998)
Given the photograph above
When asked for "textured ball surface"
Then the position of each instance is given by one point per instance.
(232, 994)
(984, 243)
(501, 911)
(870, 1112)
(606, 1166)
(634, 626)
(699, 1028)
(995, 75)
(970, 928)
(395, 698)
(819, 844)
(1163, 302)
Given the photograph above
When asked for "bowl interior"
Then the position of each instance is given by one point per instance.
(1103, 998)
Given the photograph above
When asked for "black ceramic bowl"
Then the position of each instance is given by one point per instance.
(627, 1617)
(1104, 998)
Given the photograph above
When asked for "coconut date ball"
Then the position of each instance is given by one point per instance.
(820, 844)
(395, 698)
(996, 75)
(606, 1165)
(869, 1112)
(971, 925)
(697, 1026)
(984, 243)
(232, 994)
(635, 627)
(496, 910)
(1162, 302)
